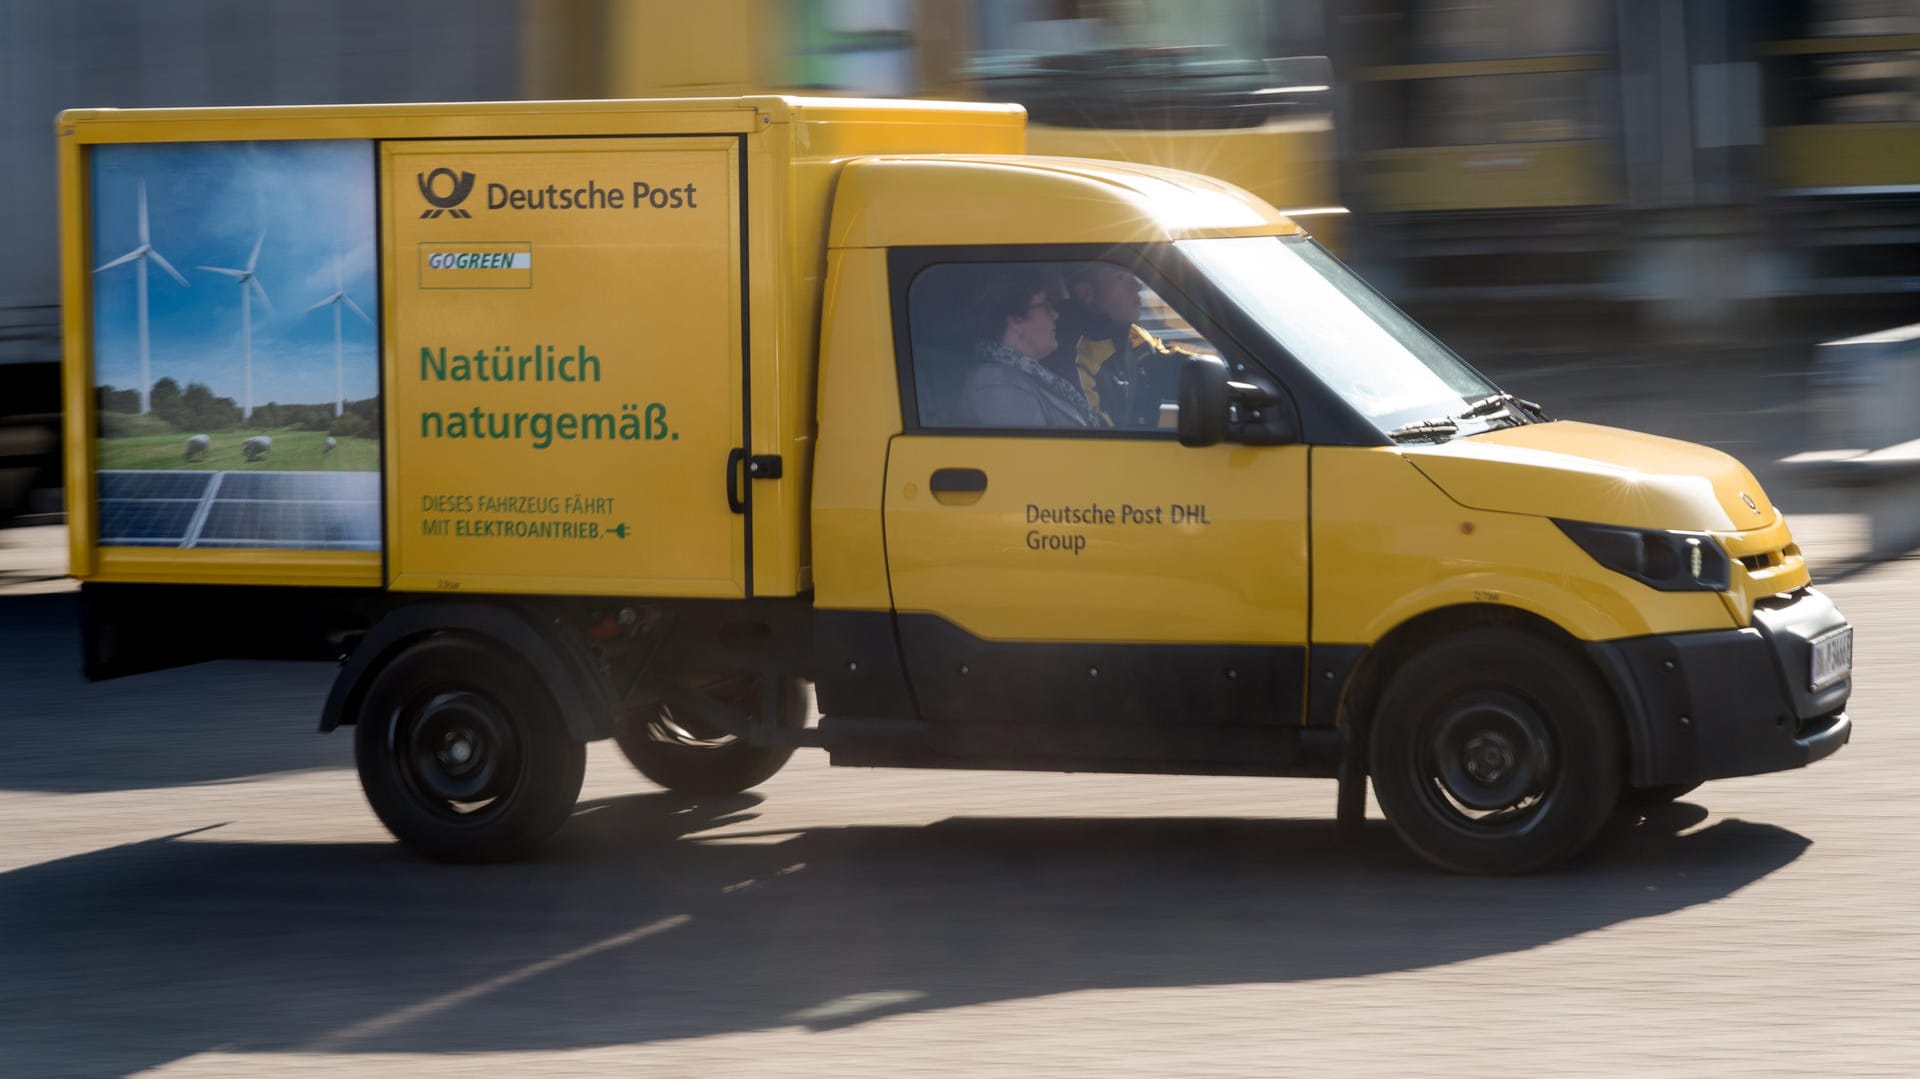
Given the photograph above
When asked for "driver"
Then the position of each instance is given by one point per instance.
(1125, 372)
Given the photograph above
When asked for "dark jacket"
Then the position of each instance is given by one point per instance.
(1124, 371)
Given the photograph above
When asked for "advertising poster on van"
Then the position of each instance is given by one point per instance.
(566, 379)
(235, 345)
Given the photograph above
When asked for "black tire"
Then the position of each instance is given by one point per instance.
(1644, 798)
(1495, 751)
(462, 753)
(688, 757)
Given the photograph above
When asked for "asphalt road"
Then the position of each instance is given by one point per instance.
(190, 884)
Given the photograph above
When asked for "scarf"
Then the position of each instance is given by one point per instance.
(1058, 390)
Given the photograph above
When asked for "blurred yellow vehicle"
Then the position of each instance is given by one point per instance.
(1234, 89)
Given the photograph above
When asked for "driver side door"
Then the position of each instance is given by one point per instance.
(1093, 593)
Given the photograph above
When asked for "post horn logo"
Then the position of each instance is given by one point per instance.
(462, 186)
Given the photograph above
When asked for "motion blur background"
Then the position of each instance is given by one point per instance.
(1651, 184)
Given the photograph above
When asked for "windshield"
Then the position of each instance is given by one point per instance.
(1363, 347)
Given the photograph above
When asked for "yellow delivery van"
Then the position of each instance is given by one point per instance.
(636, 419)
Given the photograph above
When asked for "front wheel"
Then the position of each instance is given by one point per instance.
(1493, 751)
(688, 757)
(462, 754)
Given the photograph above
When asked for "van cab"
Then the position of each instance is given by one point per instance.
(1018, 462)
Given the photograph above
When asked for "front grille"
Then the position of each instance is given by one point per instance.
(1766, 560)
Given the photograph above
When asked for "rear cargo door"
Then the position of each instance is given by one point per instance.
(567, 369)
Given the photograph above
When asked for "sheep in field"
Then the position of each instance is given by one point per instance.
(197, 447)
(327, 446)
(257, 447)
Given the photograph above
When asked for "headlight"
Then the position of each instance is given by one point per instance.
(1669, 561)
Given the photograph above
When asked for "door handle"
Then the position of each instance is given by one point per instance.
(957, 486)
(957, 481)
(735, 458)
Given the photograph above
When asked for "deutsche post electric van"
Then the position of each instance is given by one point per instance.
(636, 419)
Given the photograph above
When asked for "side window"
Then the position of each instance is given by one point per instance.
(1059, 346)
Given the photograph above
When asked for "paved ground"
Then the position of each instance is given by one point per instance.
(33, 561)
(192, 886)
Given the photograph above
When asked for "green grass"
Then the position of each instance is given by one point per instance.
(122, 425)
(293, 451)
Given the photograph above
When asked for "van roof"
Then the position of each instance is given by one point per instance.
(938, 200)
(468, 119)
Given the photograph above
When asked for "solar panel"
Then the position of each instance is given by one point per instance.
(290, 510)
(332, 510)
(132, 484)
(146, 522)
(301, 486)
(288, 523)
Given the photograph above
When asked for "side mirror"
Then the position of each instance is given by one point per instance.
(1204, 400)
(1215, 409)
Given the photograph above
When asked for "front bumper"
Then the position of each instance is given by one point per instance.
(1711, 705)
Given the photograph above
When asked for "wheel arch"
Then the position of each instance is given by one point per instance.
(582, 696)
(1407, 639)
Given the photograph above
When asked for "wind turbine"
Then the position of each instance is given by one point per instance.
(339, 297)
(139, 256)
(245, 277)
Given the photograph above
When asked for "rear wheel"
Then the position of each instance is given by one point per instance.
(1492, 752)
(685, 755)
(462, 754)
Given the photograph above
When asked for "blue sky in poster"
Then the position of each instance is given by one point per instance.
(206, 205)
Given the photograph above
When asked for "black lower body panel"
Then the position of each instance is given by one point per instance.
(1207, 749)
(1702, 706)
(135, 628)
(962, 679)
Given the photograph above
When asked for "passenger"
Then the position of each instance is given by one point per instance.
(1123, 371)
(1012, 323)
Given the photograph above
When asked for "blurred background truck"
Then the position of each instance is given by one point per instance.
(1699, 169)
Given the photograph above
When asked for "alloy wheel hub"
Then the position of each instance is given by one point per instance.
(1491, 754)
(1488, 758)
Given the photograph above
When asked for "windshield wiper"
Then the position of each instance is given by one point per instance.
(1437, 430)
(1494, 404)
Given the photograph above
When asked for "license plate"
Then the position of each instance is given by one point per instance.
(1832, 658)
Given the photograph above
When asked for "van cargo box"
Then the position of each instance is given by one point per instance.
(459, 348)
